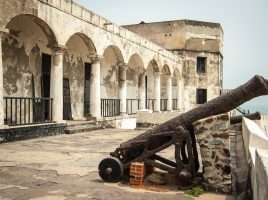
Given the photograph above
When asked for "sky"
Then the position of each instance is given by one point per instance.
(244, 22)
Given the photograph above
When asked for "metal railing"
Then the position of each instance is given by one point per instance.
(27, 110)
(150, 104)
(110, 107)
(242, 111)
(175, 104)
(163, 104)
(132, 106)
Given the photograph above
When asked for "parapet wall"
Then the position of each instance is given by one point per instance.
(256, 146)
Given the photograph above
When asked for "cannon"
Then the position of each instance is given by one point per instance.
(180, 133)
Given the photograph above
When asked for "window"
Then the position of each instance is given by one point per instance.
(201, 65)
(201, 96)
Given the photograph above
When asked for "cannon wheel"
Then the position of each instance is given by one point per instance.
(110, 169)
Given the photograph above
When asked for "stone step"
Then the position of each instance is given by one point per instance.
(82, 129)
(80, 123)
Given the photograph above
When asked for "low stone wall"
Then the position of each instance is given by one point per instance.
(31, 131)
(213, 137)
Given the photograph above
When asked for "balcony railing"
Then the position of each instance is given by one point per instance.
(163, 104)
(175, 104)
(132, 106)
(110, 107)
(24, 110)
(150, 104)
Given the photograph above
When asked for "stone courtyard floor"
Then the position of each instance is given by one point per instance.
(64, 167)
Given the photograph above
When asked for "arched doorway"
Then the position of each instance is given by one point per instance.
(76, 77)
(165, 89)
(153, 86)
(26, 70)
(135, 84)
(112, 82)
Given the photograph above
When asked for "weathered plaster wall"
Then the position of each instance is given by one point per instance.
(109, 75)
(209, 80)
(22, 51)
(132, 83)
(10, 9)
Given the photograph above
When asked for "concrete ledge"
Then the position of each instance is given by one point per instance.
(31, 131)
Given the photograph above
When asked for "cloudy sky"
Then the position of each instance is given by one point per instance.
(245, 25)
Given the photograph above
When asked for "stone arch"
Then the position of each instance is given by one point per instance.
(136, 60)
(134, 78)
(166, 70)
(24, 18)
(117, 53)
(165, 75)
(87, 41)
(134, 69)
(77, 69)
(152, 69)
(112, 59)
(29, 37)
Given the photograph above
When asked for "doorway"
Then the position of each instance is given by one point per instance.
(87, 90)
(45, 84)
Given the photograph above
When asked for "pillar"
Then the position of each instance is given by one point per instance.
(157, 88)
(142, 101)
(123, 88)
(178, 94)
(169, 92)
(56, 83)
(95, 101)
(2, 32)
(181, 95)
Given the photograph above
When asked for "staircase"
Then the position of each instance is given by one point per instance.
(81, 126)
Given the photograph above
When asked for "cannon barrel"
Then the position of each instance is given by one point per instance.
(152, 139)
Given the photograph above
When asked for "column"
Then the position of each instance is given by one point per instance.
(178, 95)
(181, 95)
(2, 32)
(123, 88)
(142, 100)
(157, 88)
(95, 101)
(56, 83)
(169, 92)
